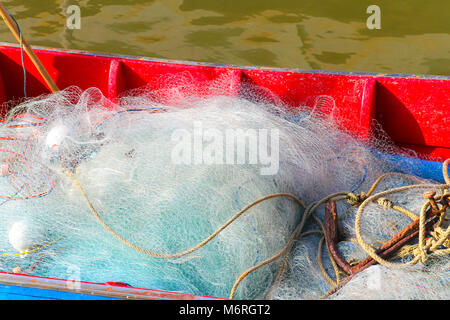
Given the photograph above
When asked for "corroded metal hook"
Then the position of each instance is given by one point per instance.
(385, 251)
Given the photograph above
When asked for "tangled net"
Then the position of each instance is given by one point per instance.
(148, 192)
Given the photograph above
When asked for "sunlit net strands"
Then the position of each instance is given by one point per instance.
(145, 191)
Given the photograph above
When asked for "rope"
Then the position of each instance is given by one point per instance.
(205, 241)
(422, 246)
(263, 263)
(437, 244)
(445, 171)
(361, 200)
(357, 199)
(388, 204)
(309, 210)
(183, 253)
(437, 234)
(33, 250)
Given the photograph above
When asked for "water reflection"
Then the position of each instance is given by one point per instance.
(330, 35)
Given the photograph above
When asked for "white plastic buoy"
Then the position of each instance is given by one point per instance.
(56, 135)
(23, 238)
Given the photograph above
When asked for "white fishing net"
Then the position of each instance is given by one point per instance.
(412, 283)
(116, 189)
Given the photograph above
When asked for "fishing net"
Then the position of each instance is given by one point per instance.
(381, 219)
(186, 188)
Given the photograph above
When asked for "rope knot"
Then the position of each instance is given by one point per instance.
(385, 203)
(356, 199)
(437, 234)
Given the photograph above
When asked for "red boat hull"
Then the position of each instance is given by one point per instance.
(412, 110)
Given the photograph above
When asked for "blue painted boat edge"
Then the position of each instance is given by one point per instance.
(8, 292)
(13, 286)
(425, 169)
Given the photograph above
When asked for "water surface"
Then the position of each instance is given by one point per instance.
(330, 35)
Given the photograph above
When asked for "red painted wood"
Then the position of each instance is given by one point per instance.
(170, 82)
(412, 111)
(367, 111)
(66, 69)
(115, 80)
(415, 114)
(352, 95)
(438, 153)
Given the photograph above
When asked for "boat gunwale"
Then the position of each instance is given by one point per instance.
(99, 289)
(232, 66)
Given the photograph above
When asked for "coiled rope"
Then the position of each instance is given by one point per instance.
(437, 244)
(432, 245)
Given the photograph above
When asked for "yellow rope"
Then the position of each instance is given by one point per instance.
(205, 241)
(422, 246)
(440, 236)
(309, 211)
(30, 251)
(388, 204)
(437, 234)
(183, 253)
(321, 267)
(445, 171)
(357, 199)
(361, 200)
(261, 264)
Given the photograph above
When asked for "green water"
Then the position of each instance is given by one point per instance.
(330, 34)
